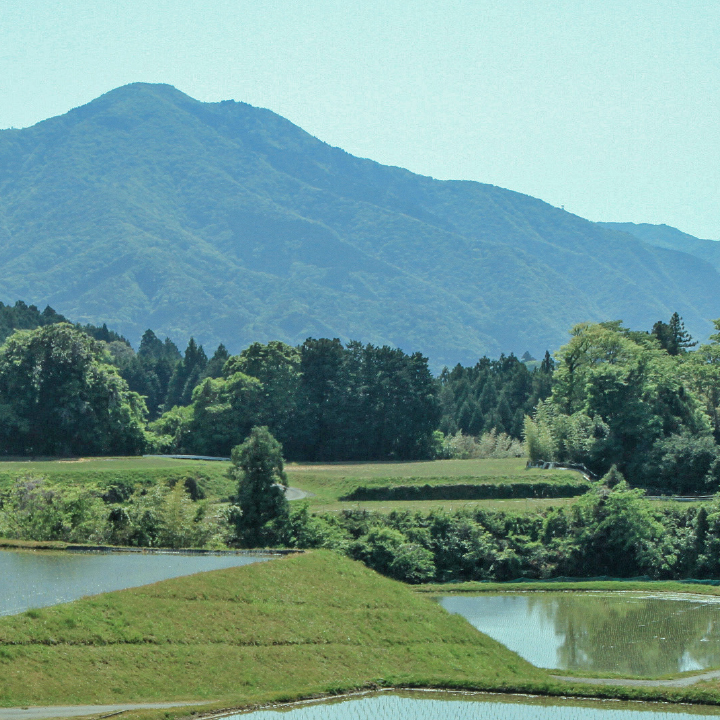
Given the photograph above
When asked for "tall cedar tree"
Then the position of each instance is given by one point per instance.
(258, 468)
(672, 336)
(186, 375)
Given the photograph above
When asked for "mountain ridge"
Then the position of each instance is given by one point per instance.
(670, 238)
(146, 208)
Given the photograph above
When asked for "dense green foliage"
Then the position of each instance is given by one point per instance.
(475, 490)
(150, 371)
(59, 396)
(607, 532)
(492, 395)
(258, 469)
(323, 401)
(631, 399)
(280, 236)
(155, 515)
(23, 317)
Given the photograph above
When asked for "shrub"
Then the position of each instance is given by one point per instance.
(489, 445)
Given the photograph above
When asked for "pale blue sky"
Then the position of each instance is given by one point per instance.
(610, 108)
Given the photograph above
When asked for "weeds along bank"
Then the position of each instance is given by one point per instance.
(608, 531)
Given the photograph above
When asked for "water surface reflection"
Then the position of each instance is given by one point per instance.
(627, 633)
(30, 579)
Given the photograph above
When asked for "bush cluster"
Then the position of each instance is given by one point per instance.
(610, 531)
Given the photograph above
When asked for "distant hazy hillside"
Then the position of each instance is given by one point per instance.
(671, 238)
(146, 208)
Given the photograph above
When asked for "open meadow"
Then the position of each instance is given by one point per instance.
(420, 486)
(503, 484)
(492, 484)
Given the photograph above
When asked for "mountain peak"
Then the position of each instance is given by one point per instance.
(146, 207)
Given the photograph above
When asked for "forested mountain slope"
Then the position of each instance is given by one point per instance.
(665, 236)
(146, 208)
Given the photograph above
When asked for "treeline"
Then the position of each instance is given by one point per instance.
(493, 395)
(647, 402)
(644, 402)
(322, 401)
(64, 392)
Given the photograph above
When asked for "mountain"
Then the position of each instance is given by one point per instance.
(671, 238)
(146, 208)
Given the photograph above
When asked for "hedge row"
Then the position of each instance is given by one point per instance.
(487, 491)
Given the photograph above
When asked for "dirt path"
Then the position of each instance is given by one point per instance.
(680, 682)
(293, 493)
(66, 711)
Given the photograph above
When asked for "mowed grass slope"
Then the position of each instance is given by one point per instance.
(311, 623)
(133, 472)
(332, 481)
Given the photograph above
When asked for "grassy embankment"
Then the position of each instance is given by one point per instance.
(302, 626)
(314, 623)
(651, 586)
(130, 472)
(331, 482)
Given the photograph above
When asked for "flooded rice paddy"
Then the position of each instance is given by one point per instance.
(30, 579)
(627, 633)
(455, 706)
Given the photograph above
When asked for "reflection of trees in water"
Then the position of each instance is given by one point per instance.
(633, 635)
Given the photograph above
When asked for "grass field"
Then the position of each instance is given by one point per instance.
(134, 471)
(330, 482)
(303, 624)
(326, 482)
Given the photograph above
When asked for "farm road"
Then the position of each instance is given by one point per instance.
(292, 493)
(627, 682)
(67, 711)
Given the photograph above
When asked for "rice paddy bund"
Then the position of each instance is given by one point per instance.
(306, 624)
(341, 486)
(296, 627)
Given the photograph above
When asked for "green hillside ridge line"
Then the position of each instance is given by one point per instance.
(671, 238)
(225, 221)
